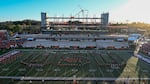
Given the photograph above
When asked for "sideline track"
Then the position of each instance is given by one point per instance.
(22, 78)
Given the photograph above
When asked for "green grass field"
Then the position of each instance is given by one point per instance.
(2, 51)
(82, 63)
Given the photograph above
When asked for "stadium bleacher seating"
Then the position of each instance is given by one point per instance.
(145, 48)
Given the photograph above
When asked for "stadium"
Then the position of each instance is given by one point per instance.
(61, 55)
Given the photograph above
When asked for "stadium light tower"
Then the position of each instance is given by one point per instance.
(127, 25)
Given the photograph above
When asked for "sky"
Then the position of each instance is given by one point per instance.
(119, 10)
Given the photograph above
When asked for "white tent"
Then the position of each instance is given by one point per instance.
(132, 39)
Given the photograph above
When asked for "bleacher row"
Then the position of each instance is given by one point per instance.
(79, 44)
(43, 36)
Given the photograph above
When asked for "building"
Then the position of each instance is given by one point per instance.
(73, 23)
(4, 39)
(104, 20)
(44, 23)
(4, 35)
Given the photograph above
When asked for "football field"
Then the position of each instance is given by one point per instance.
(79, 63)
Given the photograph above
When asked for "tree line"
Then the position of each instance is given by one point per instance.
(33, 26)
(25, 26)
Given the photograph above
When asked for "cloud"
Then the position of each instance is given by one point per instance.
(133, 10)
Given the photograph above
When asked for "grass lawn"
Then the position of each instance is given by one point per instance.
(2, 51)
(82, 63)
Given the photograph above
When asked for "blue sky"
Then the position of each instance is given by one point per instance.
(11, 10)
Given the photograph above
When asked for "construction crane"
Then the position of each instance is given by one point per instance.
(82, 11)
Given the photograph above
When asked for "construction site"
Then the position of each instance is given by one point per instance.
(79, 21)
(74, 50)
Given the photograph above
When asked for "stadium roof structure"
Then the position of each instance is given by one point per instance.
(118, 27)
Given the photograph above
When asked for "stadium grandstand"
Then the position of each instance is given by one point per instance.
(4, 42)
(145, 48)
(7, 42)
